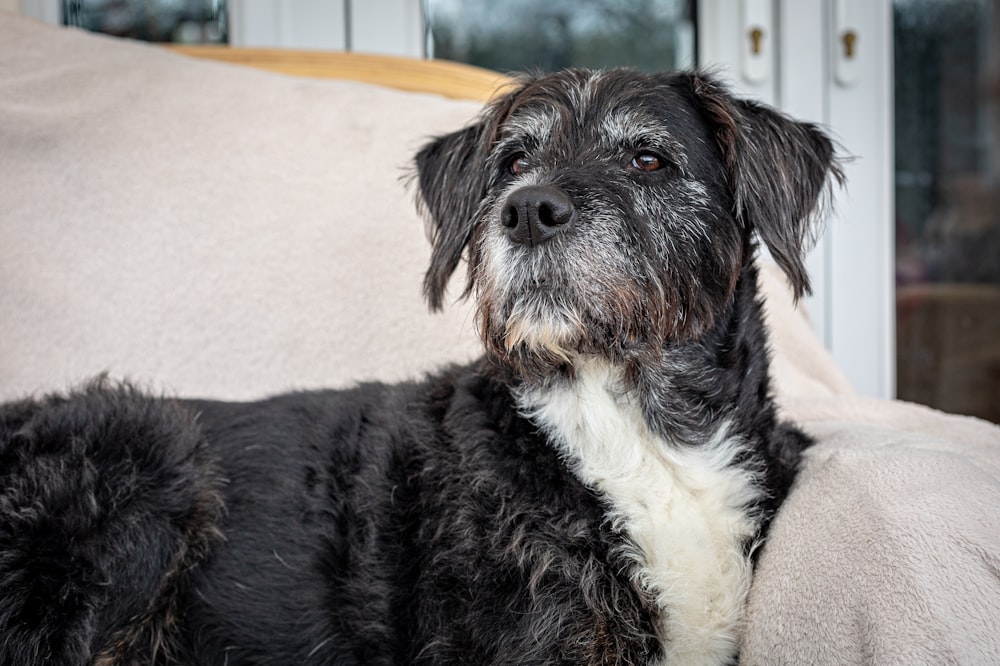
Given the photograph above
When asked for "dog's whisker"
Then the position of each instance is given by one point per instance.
(282, 560)
(319, 646)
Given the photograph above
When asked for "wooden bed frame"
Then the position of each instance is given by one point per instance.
(442, 77)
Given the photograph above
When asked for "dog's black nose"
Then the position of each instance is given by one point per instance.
(534, 214)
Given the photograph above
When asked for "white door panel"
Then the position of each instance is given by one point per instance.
(851, 265)
(861, 234)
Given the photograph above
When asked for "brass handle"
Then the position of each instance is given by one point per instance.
(849, 39)
(756, 37)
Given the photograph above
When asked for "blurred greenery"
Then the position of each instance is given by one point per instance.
(518, 35)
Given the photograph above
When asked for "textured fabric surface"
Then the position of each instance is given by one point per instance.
(215, 231)
(209, 229)
(888, 549)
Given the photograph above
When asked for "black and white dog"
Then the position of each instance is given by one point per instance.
(593, 491)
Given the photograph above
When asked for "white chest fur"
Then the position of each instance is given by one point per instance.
(683, 506)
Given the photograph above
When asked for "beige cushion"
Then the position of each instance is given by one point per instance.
(206, 228)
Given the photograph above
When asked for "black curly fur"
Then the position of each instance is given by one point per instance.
(431, 522)
(107, 499)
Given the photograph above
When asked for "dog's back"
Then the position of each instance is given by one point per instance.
(413, 523)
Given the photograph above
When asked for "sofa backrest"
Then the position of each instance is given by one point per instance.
(206, 229)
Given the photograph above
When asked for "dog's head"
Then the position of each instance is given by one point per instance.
(612, 212)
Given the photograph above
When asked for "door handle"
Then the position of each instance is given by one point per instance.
(757, 49)
(849, 39)
(846, 42)
(756, 37)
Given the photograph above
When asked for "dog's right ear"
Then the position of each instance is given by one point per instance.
(451, 177)
(781, 172)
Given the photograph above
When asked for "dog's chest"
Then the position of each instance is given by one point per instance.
(684, 506)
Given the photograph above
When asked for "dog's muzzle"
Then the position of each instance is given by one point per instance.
(535, 214)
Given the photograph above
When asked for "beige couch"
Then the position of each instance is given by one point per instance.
(217, 231)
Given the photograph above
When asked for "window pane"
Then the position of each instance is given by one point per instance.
(183, 21)
(517, 35)
(947, 68)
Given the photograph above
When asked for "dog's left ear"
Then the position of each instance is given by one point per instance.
(452, 181)
(779, 170)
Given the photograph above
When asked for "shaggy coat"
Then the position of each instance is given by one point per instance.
(592, 491)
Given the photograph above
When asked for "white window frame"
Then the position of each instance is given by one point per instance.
(852, 266)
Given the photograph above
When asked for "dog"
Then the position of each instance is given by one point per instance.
(594, 490)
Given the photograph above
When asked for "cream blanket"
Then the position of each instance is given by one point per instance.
(215, 231)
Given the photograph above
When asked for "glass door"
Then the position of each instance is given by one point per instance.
(189, 22)
(520, 35)
(947, 190)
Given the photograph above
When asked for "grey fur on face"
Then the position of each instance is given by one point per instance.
(652, 255)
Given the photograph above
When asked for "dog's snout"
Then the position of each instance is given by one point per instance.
(534, 214)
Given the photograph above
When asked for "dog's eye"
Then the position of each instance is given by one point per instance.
(647, 162)
(518, 164)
